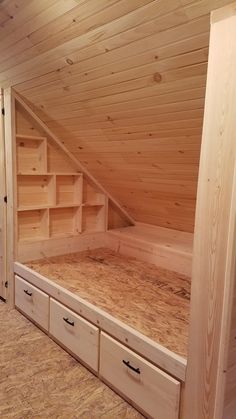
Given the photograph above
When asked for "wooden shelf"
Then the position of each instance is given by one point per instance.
(93, 218)
(35, 207)
(92, 196)
(92, 204)
(64, 221)
(35, 191)
(30, 137)
(31, 154)
(33, 225)
(68, 189)
(49, 203)
(48, 174)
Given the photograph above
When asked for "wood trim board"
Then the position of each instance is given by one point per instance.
(10, 155)
(2, 204)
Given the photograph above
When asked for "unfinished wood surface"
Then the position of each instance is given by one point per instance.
(164, 247)
(44, 389)
(152, 300)
(10, 161)
(226, 389)
(213, 277)
(32, 302)
(31, 154)
(149, 388)
(2, 205)
(54, 200)
(32, 226)
(122, 83)
(59, 245)
(149, 349)
(58, 143)
(75, 333)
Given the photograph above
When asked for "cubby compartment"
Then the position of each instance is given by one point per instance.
(33, 225)
(68, 189)
(65, 221)
(93, 218)
(35, 191)
(91, 195)
(31, 154)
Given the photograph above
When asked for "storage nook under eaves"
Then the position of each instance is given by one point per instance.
(79, 273)
(120, 201)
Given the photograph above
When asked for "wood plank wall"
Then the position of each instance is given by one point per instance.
(123, 84)
(214, 251)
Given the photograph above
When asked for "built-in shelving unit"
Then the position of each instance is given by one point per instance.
(57, 204)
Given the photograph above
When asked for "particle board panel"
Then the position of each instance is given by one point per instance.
(46, 388)
(152, 300)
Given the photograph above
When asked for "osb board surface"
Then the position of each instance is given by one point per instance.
(40, 380)
(150, 299)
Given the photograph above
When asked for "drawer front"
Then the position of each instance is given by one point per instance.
(75, 333)
(33, 302)
(152, 390)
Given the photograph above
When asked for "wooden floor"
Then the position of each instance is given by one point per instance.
(150, 299)
(40, 380)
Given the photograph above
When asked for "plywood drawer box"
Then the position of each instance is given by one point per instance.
(76, 334)
(33, 302)
(149, 388)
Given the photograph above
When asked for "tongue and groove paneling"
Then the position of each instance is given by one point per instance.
(122, 83)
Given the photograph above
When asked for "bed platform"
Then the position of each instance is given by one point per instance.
(152, 300)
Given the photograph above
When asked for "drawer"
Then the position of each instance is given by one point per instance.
(33, 302)
(149, 388)
(76, 334)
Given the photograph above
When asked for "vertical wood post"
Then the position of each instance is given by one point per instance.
(2, 204)
(213, 249)
(9, 105)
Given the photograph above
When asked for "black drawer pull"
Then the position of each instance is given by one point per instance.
(68, 321)
(137, 370)
(28, 293)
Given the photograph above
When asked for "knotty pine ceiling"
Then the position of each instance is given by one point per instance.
(122, 83)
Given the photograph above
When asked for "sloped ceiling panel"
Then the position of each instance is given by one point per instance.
(122, 83)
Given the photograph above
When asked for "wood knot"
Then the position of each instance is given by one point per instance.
(157, 77)
(69, 61)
